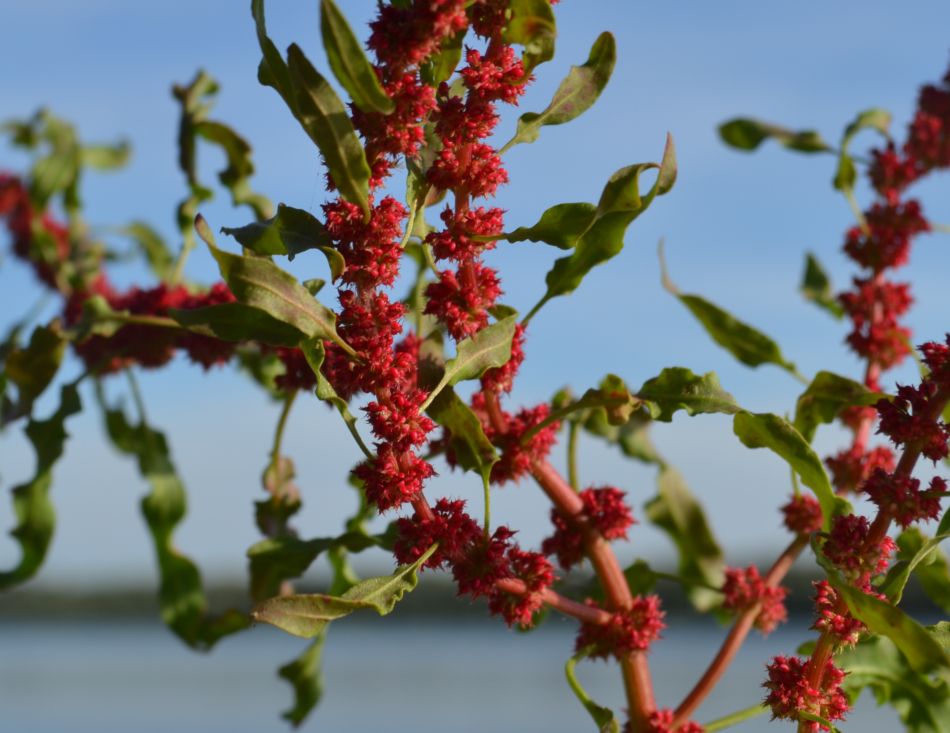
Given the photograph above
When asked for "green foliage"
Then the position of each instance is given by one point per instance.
(876, 664)
(765, 430)
(306, 677)
(182, 600)
(290, 232)
(676, 511)
(237, 322)
(32, 506)
(603, 718)
(747, 134)
(620, 204)
(870, 119)
(560, 226)
(473, 450)
(576, 93)
(677, 388)
(920, 555)
(33, 368)
(152, 248)
(531, 24)
(260, 284)
(307, 615)
(826, 397)
(348, 62)
(816, 287)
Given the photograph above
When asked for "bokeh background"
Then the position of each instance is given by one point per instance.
(736, 227)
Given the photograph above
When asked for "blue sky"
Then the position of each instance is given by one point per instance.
(736, 227)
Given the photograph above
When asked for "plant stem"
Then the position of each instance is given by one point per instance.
(572, 430)
(580, 611)
(736, 636)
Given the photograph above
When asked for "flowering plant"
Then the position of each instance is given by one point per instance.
(428, 96)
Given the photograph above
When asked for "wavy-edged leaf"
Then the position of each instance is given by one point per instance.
(676, 511)
(603, 718)
(816, 287)
(289, 232)
(825, 398)
(611, 396)
(183, 604)
(324, 119)
(620, 204)
(105, 157)
(532, 25)
(765, 430)
(876, 664)
(237, 174)
(487, 349)
(237, 322)
(308, 614)
(348, 62)
(678, 388)
(575, 95)
(152, 247)
(560, 226)
(869, 119)
(305, 675)
(747, 134)
(258, 282)
(32, 506)
(33, 367)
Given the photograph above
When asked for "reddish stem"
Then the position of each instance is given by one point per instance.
(580, 611)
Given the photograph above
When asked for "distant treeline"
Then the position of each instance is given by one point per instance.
(433, 599)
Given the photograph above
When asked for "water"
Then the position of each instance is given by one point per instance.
(383, 676)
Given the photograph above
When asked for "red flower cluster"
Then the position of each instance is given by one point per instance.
(630, 630)
(802, 514)
(852, 466)
(516, 454)
(790, 692)
(661, 721)
(41, 241)
(449, 525)
(831, 619)
(848, 547)
(745, 589)
(604, 509)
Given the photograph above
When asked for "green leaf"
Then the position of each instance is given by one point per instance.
(876, 664)
(487, 349)
(272, 71)
(350, 65)
(765, 430)
(32, 507)
(561, 226)
(473, 450)
(603, 718)
(237, 322)
(152, 247)
(620, 204)
(105, 157)
(923, 653)
(531, 24)
(641, 578)
(308, 614)
(576, 93)
(632, 437)
(183, 604)
(870, 119)
(816, 287)
(306, 677)
(825, 398)
(260, 283)
(325, 120)
(921, 554)
(677, 388)
(32, 368)
(748, 134)
(442, 65)
(677, 512)
(314, 353)
(612, 396)
(290, 232)
(276, 559)
(236, 175)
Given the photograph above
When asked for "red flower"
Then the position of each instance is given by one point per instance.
(392, 478)
(454, 530)
(840, 624)
(802, 514)
(744, 589)
(900, 497)
(461, 301)
(537, 574)
(846, 547)
(486, 562)
(790, 693)
(627, 631)
(661, 721)
(906, 421)
(887, 243)
(852, 466)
